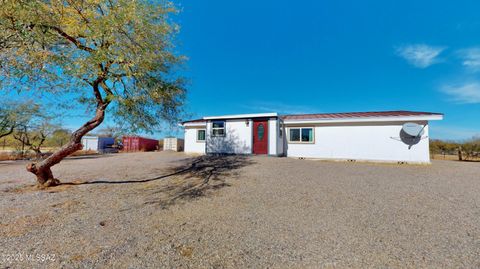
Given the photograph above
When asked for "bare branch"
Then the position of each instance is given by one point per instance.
(71, 39)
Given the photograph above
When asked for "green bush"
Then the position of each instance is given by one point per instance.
(466, 150)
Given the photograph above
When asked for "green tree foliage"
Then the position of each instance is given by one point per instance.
(444, 147)
(115, 54)
(7, 122)
(471, 149)
(33, 135)
(15, 114)
(31, 126)
(466, 150)
(111, 131)
(58, 138)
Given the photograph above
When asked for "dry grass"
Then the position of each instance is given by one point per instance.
(185, 251)
(20, 189)
(14, 156)
(22, 225)
(9, 156)
(447, 157)
(84, 152)
(452, 157)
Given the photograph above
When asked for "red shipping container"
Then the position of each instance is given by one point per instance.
(137, 143)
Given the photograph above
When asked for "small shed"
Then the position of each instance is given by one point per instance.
(98, 144)
(173, 144)
(137, 143)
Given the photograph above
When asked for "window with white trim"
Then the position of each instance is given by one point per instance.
(301, 135)
(201, 135)
(218, 128)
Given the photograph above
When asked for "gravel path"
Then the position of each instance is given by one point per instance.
(241, 212)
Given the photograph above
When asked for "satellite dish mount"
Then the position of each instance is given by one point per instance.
(414, 130)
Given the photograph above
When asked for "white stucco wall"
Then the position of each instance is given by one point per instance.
(272, 136)
(237, 139)
(191, 144)
(361, 141)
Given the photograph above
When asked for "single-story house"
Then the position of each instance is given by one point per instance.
(388, 136)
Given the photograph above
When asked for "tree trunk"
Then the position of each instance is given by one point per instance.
(42, 170)
(38, 153)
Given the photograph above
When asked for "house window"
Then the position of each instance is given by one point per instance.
(280, 130)
(201, 135)
(301, 135)
(218, 128)
(260, 131)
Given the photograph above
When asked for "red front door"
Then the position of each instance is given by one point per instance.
(260, 137)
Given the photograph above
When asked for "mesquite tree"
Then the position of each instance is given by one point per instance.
(14, 114)
(7, 121)
(33, 135)
(115, 54)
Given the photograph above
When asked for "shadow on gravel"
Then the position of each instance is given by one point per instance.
(14, 162)
(204, 167)
(87, 157)
(191, 178)
(199, 176)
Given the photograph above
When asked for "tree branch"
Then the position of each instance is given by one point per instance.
(62, 33)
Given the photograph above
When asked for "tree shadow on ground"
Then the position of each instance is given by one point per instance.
(13, 163)
(91, 156)
(193, 178)
(206, 174)
(206, 167)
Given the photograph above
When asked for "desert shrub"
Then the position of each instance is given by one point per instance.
(465, 150)
(471, 150)
(444, 147)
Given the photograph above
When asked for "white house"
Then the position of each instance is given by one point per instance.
(361, 136)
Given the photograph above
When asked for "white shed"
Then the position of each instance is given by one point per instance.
(98, 144)
(362, 136)
(90, 143)
(173, 143)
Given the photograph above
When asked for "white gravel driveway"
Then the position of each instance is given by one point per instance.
(241, 212)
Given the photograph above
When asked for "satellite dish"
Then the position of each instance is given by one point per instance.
(413, 129)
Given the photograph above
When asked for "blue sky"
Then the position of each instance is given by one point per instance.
(331, 56)
(335, 56)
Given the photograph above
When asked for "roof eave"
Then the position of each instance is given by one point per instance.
(367, 119)
(241, 116)
(184, 124)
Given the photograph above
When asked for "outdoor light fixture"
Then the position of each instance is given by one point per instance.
(247, 122)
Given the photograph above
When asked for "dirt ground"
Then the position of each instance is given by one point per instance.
(154, 210)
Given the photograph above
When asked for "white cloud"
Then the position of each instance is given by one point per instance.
(468, 93)
(470, 58)
(420, 55)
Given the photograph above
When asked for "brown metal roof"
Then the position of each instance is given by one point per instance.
(346, 115)
(399, 113)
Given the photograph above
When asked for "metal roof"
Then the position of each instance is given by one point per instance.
(237, 116)
(350, 115)
(330, 116)
(242, 116)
